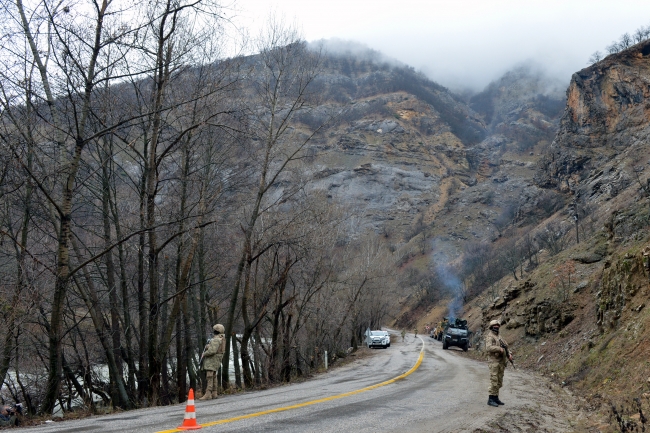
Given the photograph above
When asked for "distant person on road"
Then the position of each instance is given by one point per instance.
(211, 361)
(496, 348)
(403, 334)
(415, 331)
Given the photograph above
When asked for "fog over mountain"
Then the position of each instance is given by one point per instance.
(465, 44)
(548, 82)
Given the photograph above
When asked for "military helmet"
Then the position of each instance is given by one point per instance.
(495, 322)
(219, 328)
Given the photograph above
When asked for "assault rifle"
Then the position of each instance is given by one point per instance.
(507, 353)
(204, 350)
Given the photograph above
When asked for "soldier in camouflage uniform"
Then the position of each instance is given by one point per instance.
(440, 329)
(211, 360)
(496, 347)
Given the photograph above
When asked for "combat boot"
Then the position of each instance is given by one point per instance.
(207, 395)
(492, 402)
(499, 402)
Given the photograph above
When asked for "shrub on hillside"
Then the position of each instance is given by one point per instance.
(553, 237)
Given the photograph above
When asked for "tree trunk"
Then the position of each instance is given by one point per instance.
(286, 349)
(20, 260)
(108, 257)
(235, 358)
(143, 328)
(203, 294)
(55, 347)
(181, 370)
(126, 309)
(189, 347)
(119, 396)
(257, 353)
(245, 357)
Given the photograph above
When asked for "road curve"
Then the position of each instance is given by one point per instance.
(445, 393)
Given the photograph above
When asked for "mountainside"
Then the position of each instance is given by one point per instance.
(580, 314)
(398, 138)
(408, 153)
(524, 202)
(606, 115)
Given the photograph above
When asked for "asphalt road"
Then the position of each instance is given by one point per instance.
(446, 393)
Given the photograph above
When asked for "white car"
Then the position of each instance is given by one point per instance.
(387, 336)
(378, 339)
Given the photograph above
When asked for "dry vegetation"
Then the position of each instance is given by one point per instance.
(151, 189)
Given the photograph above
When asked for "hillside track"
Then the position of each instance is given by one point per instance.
(446, 393)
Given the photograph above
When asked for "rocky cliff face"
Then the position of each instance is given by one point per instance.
(607, 115)
(581, 316)
(412, 157)
(600, 156)
(397, 139)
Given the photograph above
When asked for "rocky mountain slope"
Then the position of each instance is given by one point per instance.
(410, 156)
(543, 192)
(580, 315)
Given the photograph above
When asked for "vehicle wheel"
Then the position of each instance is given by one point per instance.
(388, 345)
(444, 345)
(465, 348)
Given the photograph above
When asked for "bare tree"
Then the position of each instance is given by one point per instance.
(132, 159)
(562, 282)
(63, 56)
(530, 249)
(625, 41)
(281, 79)
(72, 127)
(595, 57)
(641, 34)
(510, 257)
(552, 237)
(614, 48)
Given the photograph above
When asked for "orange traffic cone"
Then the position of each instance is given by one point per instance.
(189, 421)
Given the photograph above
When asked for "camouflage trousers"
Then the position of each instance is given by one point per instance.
(211, 381)
(496, 377)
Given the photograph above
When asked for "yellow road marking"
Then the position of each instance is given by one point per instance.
(309, 403)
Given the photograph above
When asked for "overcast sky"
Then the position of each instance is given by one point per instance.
(463, 43)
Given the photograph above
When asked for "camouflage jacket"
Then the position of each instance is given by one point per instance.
(493, 348)
(214, 352)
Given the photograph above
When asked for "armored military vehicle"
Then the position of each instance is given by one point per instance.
(456, 334)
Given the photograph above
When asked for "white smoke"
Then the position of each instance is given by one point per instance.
(447, 277)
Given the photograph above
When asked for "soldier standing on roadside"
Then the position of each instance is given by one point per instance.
(211, 359)
(496, 348)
